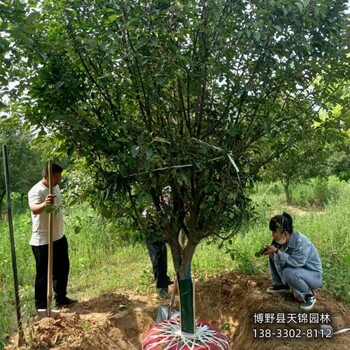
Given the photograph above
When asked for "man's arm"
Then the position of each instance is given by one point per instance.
(40, 207)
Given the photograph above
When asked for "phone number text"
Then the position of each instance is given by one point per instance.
(292, 333)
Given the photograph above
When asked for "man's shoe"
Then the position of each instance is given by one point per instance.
(283, 288)
(65, 302)
(310, 301)
(42, 312)
(163, 293)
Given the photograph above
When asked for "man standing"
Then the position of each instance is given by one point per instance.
(39, 202)
(158, 254)
(157, 249)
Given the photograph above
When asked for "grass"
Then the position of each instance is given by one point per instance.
(108, 257)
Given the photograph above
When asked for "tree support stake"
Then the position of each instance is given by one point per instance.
(13, 248)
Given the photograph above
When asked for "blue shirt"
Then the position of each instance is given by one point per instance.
(300, 252)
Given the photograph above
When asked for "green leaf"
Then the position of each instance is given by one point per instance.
(307, 46)
(257, 35)
(59, 84)
(77, 229)
(33, 17)
(111, 19)
(300, 6)
(160, 139)
(18, 34)
(50, 208)
(135, 150)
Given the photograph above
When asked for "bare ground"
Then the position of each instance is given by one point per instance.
(231, 302)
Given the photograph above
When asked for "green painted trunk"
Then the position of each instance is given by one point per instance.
(187, 304)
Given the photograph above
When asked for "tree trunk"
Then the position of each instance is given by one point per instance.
(2, 196)
(182, 259)
(286, 190)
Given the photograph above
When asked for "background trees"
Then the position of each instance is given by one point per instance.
(25, 163)
(24, 168)
(186, 94)
(315, 155)
(16, 26)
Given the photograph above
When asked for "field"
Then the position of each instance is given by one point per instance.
(110, 267)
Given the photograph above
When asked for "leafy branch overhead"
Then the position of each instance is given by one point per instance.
(186, 94)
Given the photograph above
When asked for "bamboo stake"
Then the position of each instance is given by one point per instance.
(50, 246)
(13, 249)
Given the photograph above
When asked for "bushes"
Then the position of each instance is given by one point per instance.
(316, 193)
(308, 194)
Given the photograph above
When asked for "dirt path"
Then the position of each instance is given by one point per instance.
(235, 303)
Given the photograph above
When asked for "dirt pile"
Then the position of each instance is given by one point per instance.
(236, 304)
(240, 305)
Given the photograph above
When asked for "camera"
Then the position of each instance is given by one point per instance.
(262, 251)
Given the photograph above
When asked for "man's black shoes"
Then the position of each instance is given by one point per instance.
(163, 293)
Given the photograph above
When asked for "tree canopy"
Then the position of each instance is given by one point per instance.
(16, 26)
(24, 162)
(186, 94)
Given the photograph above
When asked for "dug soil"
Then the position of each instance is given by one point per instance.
(236, 304)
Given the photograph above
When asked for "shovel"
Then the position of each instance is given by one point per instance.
(167, 312)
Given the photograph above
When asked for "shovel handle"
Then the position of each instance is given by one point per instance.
(50, 246)
(172, 299)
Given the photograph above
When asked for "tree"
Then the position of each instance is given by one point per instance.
(320, 153)
(338, 148)
(301, 161)
(24, 162)
(15, 27)
(338, 162)
(306, 158)
(183, 94)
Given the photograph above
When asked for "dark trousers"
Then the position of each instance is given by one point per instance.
(158, 253)
(60, 271)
